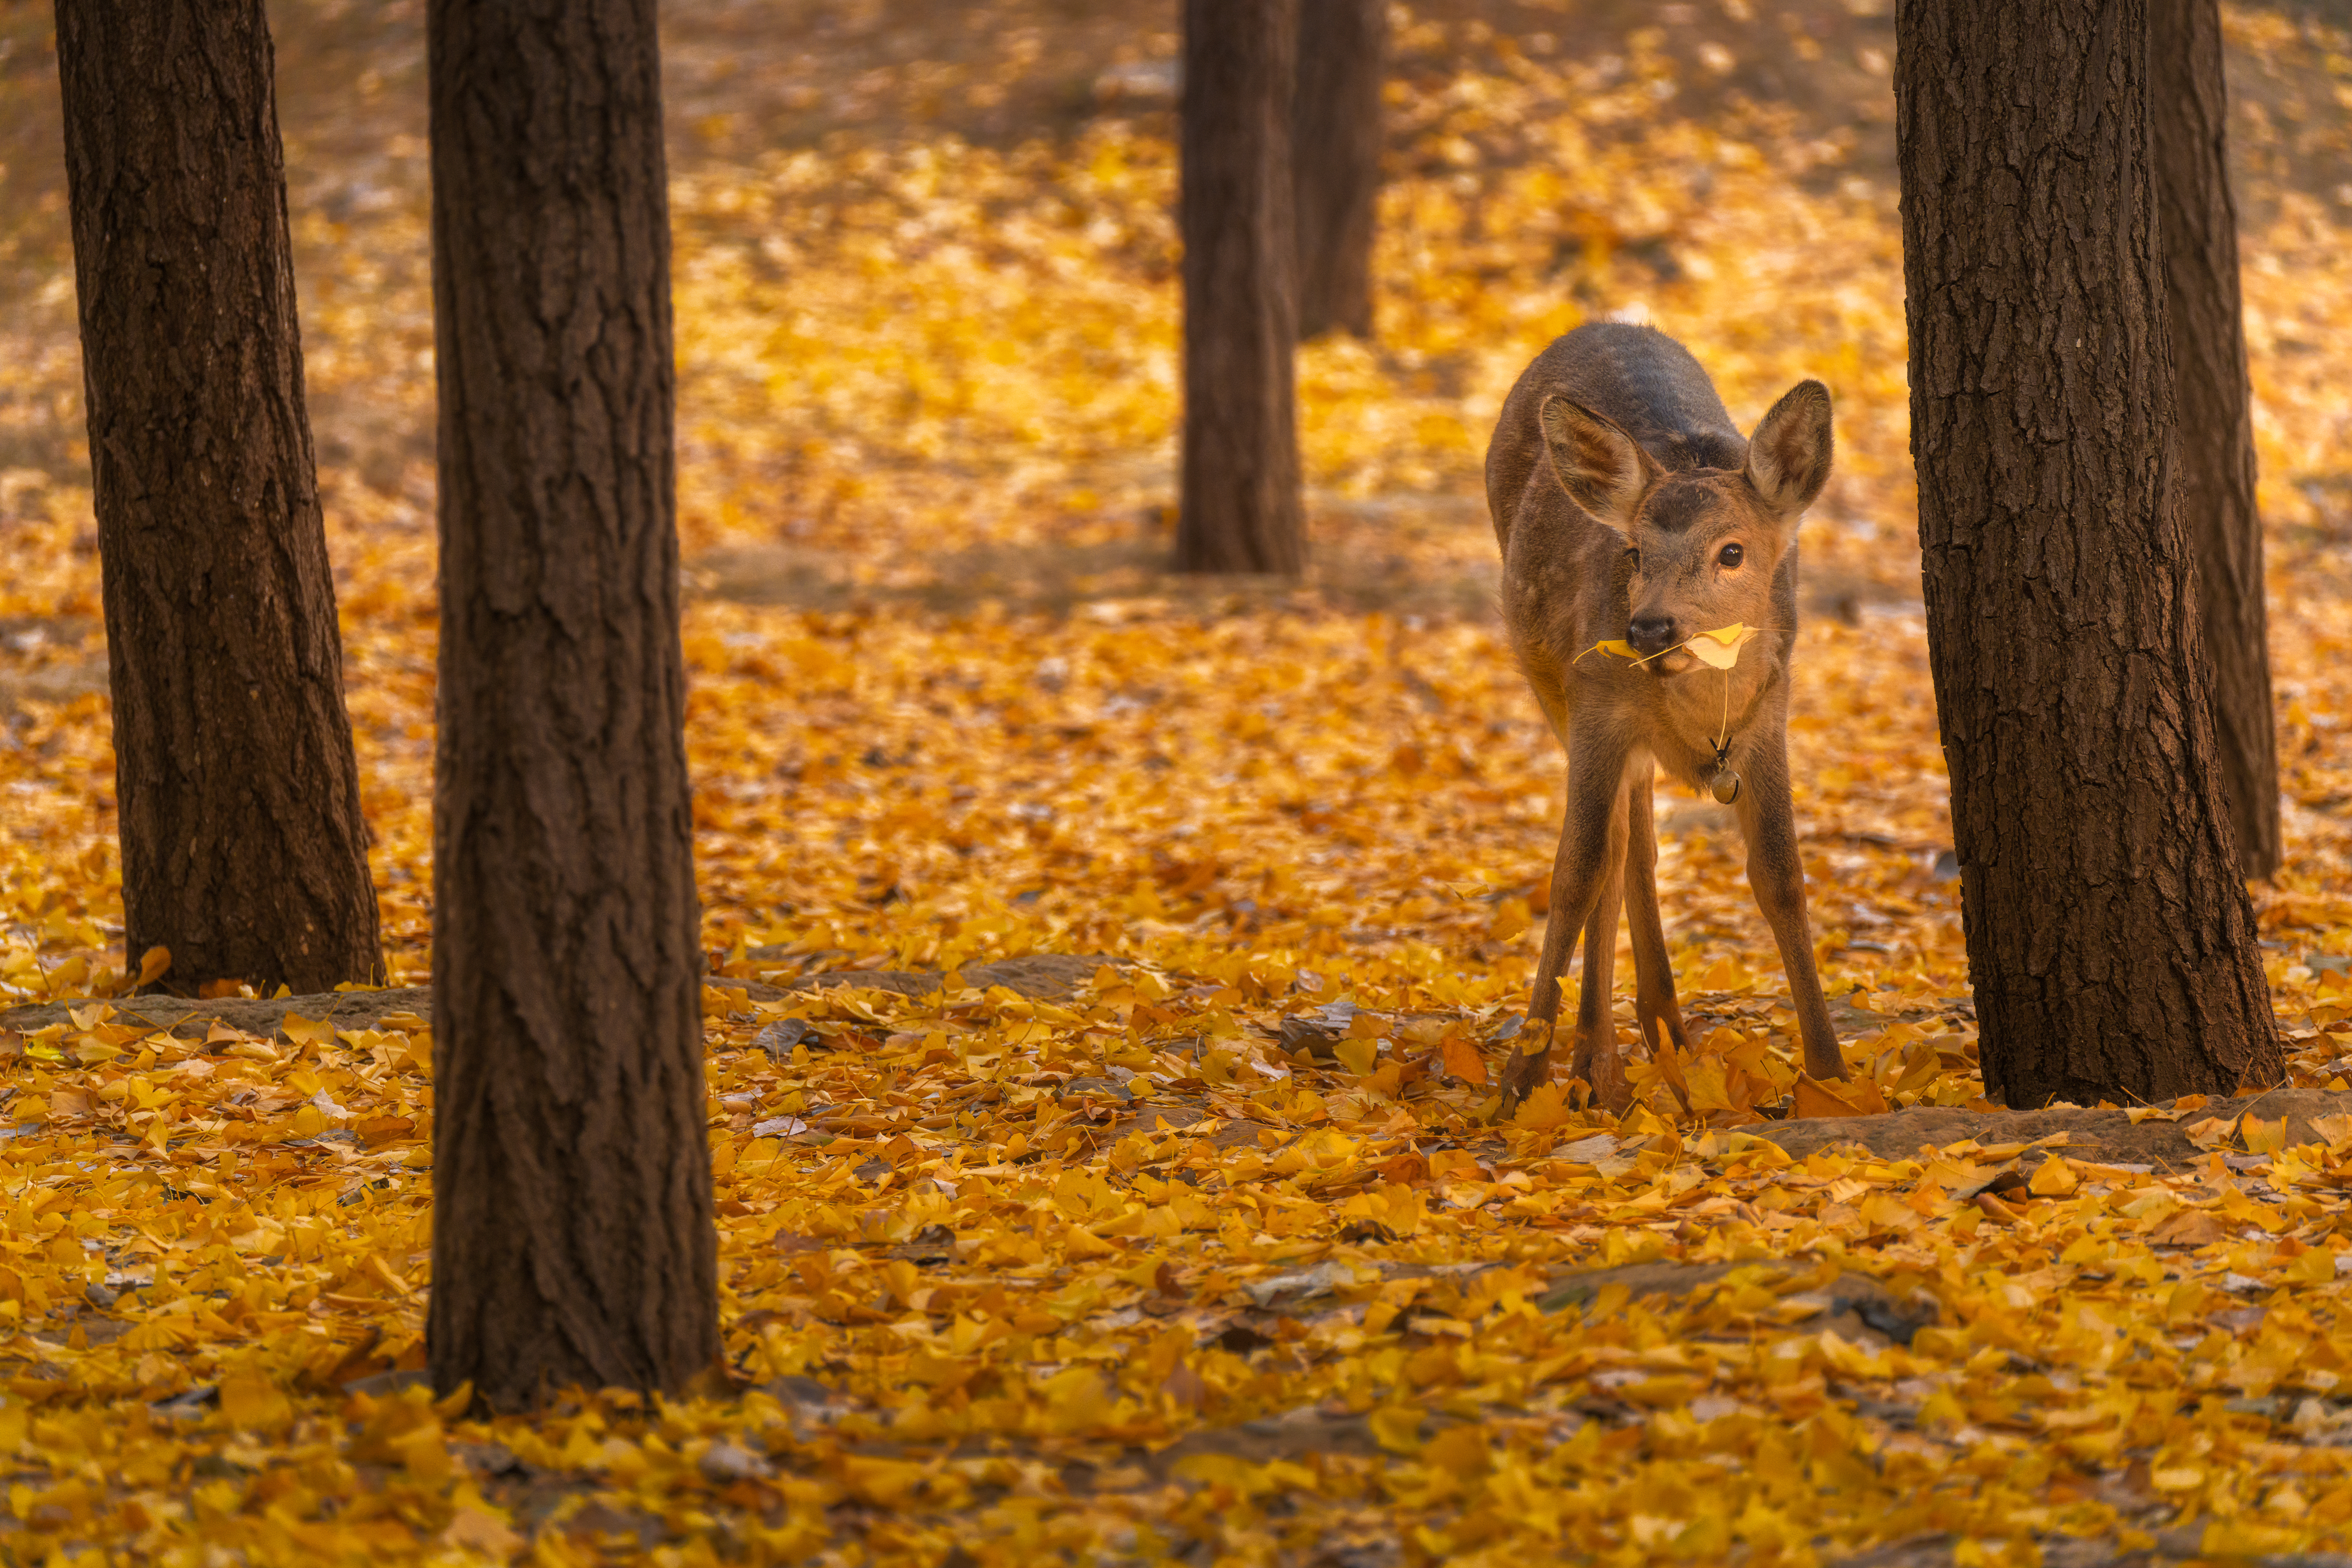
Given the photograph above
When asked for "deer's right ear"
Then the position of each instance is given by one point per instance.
(1603, 469)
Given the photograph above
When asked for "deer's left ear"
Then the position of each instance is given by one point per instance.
(1601, 467)
(1788, 456)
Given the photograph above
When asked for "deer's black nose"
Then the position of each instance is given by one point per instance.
(1652, 633)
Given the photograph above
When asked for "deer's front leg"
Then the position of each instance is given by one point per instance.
(1589, 832)
(1769, 822)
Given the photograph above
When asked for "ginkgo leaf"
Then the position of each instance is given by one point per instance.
(2055, 1177)
(1856, 1097)
(1720, 647)
(307, 1032)
(474, 1530)
(1397, 1427)
(1615, 648)
(1464, 1060)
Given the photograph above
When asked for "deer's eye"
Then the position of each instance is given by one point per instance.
(1731, 555)
(1633, 558)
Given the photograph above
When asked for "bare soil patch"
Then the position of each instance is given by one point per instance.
(2096, 1136)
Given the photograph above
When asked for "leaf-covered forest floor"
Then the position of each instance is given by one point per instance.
(1199, 1243)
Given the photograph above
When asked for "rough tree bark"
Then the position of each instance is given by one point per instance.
(1241, 508)
(572, 1239)
(2199, 219)
(244, 851)
(1336, 142)
(2111, 941)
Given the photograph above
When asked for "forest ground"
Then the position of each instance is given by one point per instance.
(1201, 1242)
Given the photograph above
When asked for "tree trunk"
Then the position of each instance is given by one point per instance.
(1335, 136)
(1241, 505)
(2216, 429)
(2111, 941)
(244, 851)
(572, 1239)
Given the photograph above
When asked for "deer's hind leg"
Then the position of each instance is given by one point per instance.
(1654, 972)
(1597, 1061)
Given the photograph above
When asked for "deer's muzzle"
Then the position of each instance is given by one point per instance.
(1653, 633)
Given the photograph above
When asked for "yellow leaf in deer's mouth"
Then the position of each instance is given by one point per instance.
(1615, 647)
(1720, 647)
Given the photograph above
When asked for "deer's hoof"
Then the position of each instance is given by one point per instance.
(1603, 1071)
(1825, 1066)
(1521, 1075)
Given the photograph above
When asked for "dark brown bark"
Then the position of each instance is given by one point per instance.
(1336, 142)
(2199, 221)
(572, 1239)
(2111, 941)
(244, 851)
(1241, 507)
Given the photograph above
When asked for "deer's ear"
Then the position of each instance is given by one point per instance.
(1603, 469)
(1788, 456)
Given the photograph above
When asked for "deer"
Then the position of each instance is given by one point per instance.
(1633, 520)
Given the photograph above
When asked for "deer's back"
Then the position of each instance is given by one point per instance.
(1636, 376)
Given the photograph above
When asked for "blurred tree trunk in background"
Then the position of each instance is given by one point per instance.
(573, 1241)
(1336, 143)
(244, 851)
(2199, 221)
(1241, 509)
(2111, 941)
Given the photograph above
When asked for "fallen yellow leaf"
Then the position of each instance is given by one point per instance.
(476, 1529)
(2055, 1177)
(1463, 1059)
(1853, 1097)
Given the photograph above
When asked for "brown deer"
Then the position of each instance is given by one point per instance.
(1629, 512)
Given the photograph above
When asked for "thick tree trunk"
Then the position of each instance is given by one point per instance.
(1335, 137)
(573, 1236)
(1241, 507)
(2110, 939)
(2216, 431)
(243, 847)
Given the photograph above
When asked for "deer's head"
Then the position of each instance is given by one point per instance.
(1703, 545)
